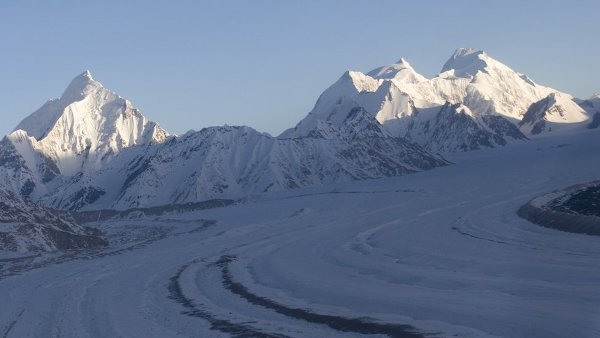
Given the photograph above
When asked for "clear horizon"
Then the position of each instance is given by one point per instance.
(191, 65)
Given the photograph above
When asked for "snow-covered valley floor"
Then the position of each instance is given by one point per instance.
(438, 253)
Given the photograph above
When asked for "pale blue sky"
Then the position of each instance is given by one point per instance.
(193, 64)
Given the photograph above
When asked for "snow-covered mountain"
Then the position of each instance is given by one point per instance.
(25, 227)
(91, 149)
(237, 161)
(84, 128)
(72, 137)
(231, 162)
(475, 101)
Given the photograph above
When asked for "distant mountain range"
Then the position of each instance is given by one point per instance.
(475, 102)
(91, 149)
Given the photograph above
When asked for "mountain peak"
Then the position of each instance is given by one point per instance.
(39, 123)
(87, 74)
(401, 70)
(466, 62)
(462, 52)
(80, 86)
(403, 61)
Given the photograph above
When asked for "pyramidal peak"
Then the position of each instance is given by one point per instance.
(403, 62)
(40, 122)
(80, 86)
(88, 119)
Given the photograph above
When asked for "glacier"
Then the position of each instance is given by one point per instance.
(437, 253)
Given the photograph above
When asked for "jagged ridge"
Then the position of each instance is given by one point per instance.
(100, 152)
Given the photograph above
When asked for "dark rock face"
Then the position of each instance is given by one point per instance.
(102, 215)
(585, 201)
(85, 196)
(503, 128)
(592, 107)
(575, 209)
(595, 121)
(64, 240)
(14, 170)
(453, 129)
(9, 156)
(48, 169)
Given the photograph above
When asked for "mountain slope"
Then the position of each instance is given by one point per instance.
(25, 227)
(235, 161)
(551, 112)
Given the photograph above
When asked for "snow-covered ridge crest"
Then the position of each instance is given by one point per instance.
(409, 105)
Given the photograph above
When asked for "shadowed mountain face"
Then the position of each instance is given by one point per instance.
(592, 107)
(25, 227)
